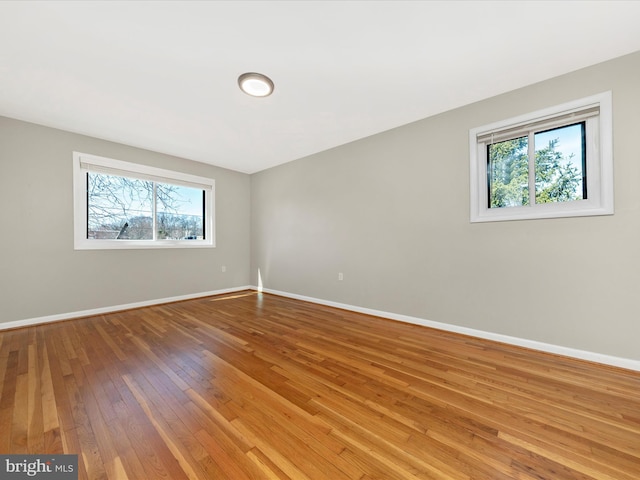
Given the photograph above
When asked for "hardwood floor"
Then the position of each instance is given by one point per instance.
(255, 386)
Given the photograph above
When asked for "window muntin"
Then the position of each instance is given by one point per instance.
(552, 163)
(124, 205)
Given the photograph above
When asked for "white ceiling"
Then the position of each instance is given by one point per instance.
(162, 75)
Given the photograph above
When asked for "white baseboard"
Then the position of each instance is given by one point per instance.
(115, 308)
(521, 342)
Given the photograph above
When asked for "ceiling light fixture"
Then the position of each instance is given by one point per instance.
(255, 84)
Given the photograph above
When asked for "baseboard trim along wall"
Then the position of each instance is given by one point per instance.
(99, 311)
(520, 342)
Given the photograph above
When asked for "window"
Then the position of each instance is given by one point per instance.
(556, 162)
(124, 205)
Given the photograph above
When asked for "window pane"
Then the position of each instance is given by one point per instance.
(119, 207)
(508, 173)
(180, 212)
(561, 164)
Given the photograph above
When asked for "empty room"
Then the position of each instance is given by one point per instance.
(320, 240)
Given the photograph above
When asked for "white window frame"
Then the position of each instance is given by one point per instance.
(599, 142)
(83, 163)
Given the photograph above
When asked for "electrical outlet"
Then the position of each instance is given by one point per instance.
(340, 276)
(223, 268)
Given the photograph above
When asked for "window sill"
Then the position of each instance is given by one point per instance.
(139, 244)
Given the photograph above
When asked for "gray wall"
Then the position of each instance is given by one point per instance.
(41, 273)
(392, 213)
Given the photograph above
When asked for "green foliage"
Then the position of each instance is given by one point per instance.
(556, 178)
(509, 173)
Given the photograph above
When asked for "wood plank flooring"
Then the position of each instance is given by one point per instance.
(255, 386)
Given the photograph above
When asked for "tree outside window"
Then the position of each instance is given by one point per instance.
(123, 208)
(559, 168)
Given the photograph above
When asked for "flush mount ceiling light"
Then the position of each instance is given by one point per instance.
(255, 84)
